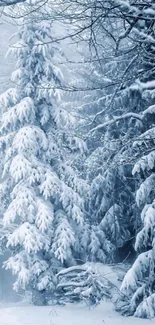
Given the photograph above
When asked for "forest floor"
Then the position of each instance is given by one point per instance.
(23, 313)
(103, 314)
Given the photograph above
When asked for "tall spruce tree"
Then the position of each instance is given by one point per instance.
(138, 284)
(41, 195)
(120, 118)
(113, 212)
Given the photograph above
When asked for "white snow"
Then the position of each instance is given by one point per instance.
(68, 315)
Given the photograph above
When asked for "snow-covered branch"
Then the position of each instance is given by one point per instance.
(116, 119)
(77, 268)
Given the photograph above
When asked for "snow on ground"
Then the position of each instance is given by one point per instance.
(68, 315)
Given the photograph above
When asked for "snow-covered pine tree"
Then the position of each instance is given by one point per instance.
(119, 117)
(42, 197)
(111, 208)
(139, 284)
(112, 203)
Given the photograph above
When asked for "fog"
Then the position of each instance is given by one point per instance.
(7, 32)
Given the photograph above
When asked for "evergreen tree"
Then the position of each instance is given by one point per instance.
(112, 208)
(42, 197)
(119, 119)
(138, 284)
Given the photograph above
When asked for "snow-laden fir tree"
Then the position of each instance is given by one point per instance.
(41, 195)
(119, 119)
(139, 282)
(113, 212)
(111, 208)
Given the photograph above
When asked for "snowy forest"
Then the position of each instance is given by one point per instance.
(77, 153)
